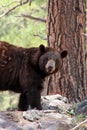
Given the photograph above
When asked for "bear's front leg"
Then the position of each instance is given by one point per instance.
(34, 99)
(23, 104)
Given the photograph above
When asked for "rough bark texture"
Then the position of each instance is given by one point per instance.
(66, 23)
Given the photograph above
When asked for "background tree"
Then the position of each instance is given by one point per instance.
(66, 24)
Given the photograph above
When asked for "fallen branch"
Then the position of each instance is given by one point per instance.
(32, 17)
(13, 8)
(80, 124)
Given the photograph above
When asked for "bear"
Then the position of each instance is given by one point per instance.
(23, 70)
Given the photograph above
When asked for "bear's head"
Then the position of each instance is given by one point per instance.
(51, 60)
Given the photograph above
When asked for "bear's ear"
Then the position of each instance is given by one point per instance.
(42, 48)
(64, 53)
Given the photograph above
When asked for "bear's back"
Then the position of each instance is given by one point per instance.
(13, 60)
(10, 62)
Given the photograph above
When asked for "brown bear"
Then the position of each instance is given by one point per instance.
(23, 70)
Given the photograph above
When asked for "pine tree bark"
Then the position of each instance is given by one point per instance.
(66, 25)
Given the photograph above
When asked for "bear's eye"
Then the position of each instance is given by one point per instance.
(48, 58)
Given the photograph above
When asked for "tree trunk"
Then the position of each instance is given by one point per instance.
(66, 25)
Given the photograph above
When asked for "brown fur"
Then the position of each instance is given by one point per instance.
(20, 71)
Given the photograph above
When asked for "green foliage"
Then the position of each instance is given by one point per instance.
(8, 100)
(19, 30)
(71, 112)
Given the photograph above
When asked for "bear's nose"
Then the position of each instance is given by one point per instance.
(50, 69)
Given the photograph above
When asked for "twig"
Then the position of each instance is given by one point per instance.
(32, 17)
(40, 37)
(7, 12)
(83, 122)
(13, 8)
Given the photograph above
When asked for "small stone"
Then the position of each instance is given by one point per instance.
(32, 115)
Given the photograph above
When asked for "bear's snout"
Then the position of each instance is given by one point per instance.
(50, 66)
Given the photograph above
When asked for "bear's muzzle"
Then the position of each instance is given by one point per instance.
(50, 66)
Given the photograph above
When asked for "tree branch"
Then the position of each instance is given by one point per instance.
(32, 17)
(16, 6)
(80, 124)
(41, 37)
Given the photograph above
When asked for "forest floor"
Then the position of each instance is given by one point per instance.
(57, 114)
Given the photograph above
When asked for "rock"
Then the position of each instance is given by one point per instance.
(53, 124)
(32, 115)
(55, 97)
(81, 107)
(56, 102)
(6, 124)
(31, 126)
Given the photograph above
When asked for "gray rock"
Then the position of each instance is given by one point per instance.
(55, 102)
(55, 97)
(7, 124)
(53, 124)
(31, 126)
(81, 107)
(32, 115)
